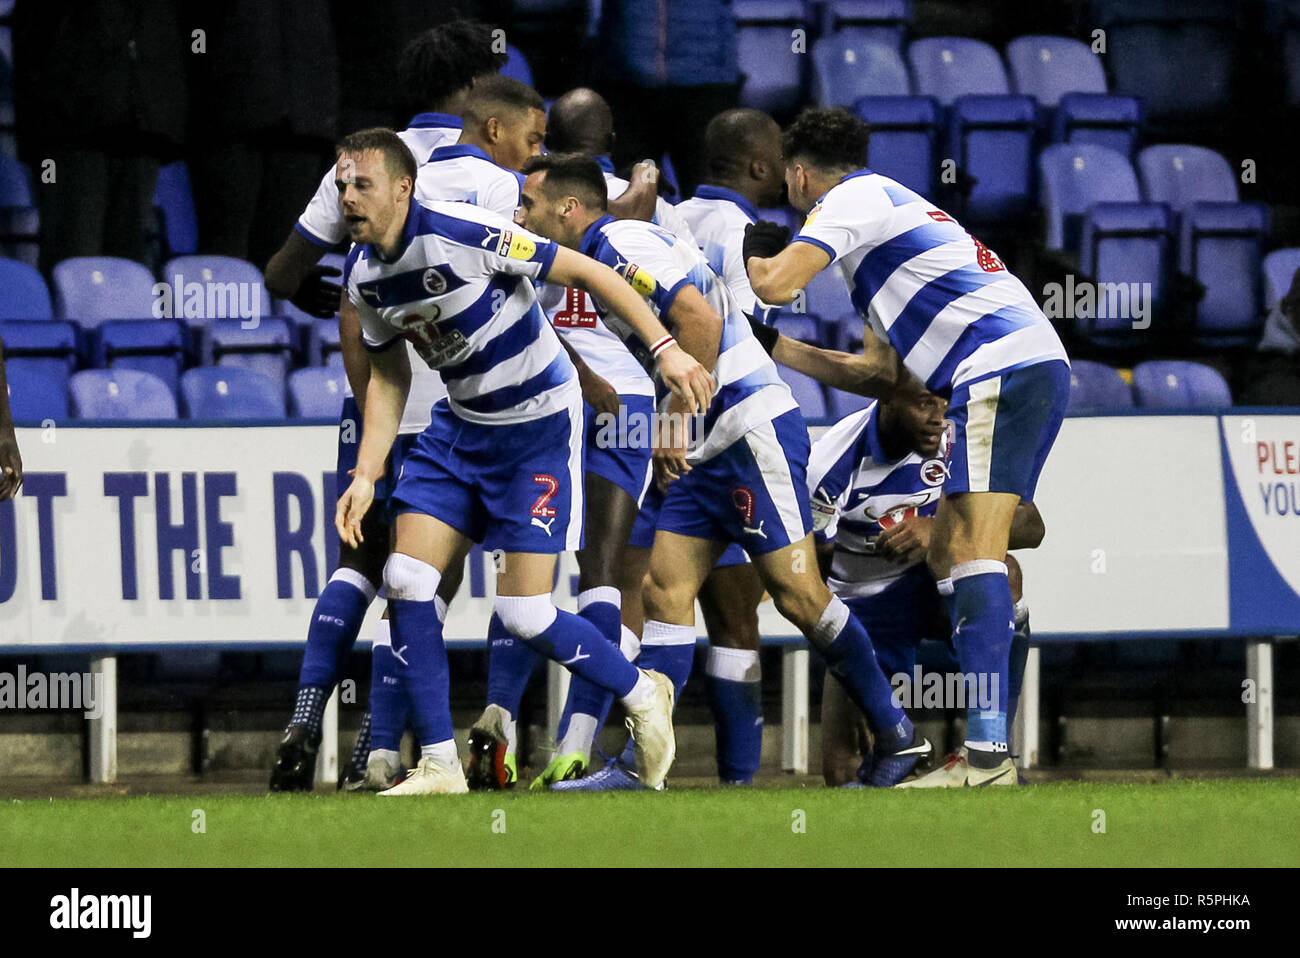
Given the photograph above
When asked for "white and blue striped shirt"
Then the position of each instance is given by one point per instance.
(718, 217)
(659, 265)
(858, 492)
(460, 292)
(466, 174)
(944, 301)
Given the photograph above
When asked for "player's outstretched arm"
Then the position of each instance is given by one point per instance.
(390, 380)
(682, 374)
(292, 274)
(1027, 528)
(637, 202)
(777, 276)
(877, 372)
(11, 463)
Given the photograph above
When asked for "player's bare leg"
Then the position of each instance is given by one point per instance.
(844, 735)
(729, 600)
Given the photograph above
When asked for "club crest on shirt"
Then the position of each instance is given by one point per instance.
(434, 283)
(934, 472)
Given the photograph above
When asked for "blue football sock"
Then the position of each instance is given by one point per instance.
(388, 708)
(845, 645)
(600, 607)
(418, 647)
(335, 621)
(669, 649)
(510, 666)
(1016, 665)
(572, 641)
(735, 690)
(984, 613)
(361, 748)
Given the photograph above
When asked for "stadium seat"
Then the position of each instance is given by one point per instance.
(155, 346)
(1162, 384)
(873, 21)
(94, 288)
(1046, 68)
(1195, 41)
(325, 348)
(1222, 247)
(787, 216)
(1180, 175)
(35, 396)
(808, 393)
(949, 67)
(771, 73)
(1072, 177)
(230, 393)
(266, 348)
(317, 393)
(1127, 250)
(1279, 268)
(826, 296)
(992, 139)
(904, 138)
(45, 348)
(1101, 119)
(19, 218)
(517, 65)
(842, 403)
(1096, 387)
(232, 288)
(120, 394)
(23, 293)
(846, 69)
(800, 326)
(174, 201)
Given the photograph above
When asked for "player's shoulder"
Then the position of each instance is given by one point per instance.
(462, 223)
(848, 434)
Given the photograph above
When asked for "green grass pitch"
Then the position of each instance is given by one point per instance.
(1197, 823)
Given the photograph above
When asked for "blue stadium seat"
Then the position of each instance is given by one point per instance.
(1180, 175)
(948, 67)
(35, 396)
(325, 348)
(23, 293)
(1178, 56)
(1096, 387)
(992, 139)
(846, 69)
(1167, 384)
(174, 200)
(517, 65)
(826, 296)
(120, 394)
(45, 348)
(1127, 249)
(155, 346)
(231, 287)
(1047, 68)
(785, 215)
(317, 393)
(1072, 177)
(904, 138)
(1102, 119)
(266, 348)
(1222, 247)
(772, 74)
(799, 326)
(94, 288)
(874, 21)
(808, 393)
(19, 219)
(230, 393)
(1279, 268)
(842, 403)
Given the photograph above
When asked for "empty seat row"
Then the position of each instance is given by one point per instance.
(1157, 384)
(207, 393)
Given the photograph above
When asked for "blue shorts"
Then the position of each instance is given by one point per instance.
(753, 493)
(620, 450)
(350, 445)
(647, 518)
(517, 488)
(898, 618)
(1003, 427)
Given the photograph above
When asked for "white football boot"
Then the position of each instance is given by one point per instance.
(432, 778)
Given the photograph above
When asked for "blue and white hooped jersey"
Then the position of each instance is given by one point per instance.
(322, 221)
(945, 302)
(665, 214)
(718, 218)
(460, 291)
(658, 265)
(463, 173)
(857, 492)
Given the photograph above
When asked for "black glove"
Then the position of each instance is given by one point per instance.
(764, 239)
(766, 335)
(316, 295)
